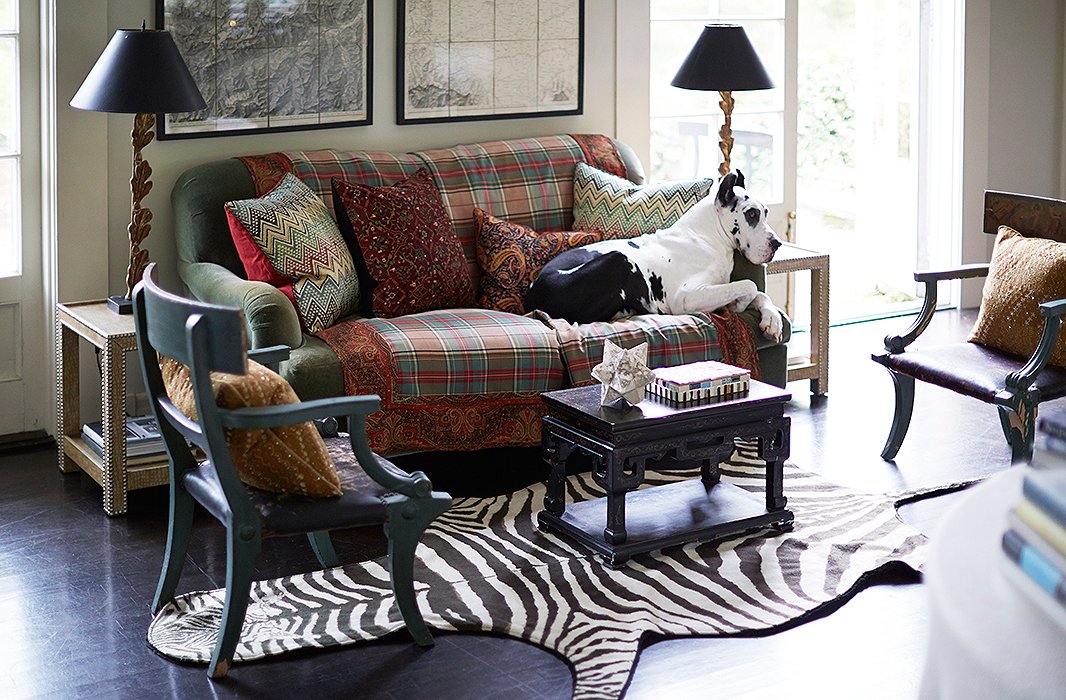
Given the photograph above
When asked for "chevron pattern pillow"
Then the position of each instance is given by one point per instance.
(288, 239)
(619, 208)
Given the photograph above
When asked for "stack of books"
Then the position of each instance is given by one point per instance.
(1036, 538)
(144, 443)
(699, 382)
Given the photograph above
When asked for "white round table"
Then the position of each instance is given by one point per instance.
(988, 638)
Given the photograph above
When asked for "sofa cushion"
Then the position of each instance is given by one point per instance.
(672, 340)
(607, 203)
(511, 255)
(1024, 273)
(462, 351)
(287, 238)
(409, 257)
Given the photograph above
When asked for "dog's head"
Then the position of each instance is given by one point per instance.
(744, 218)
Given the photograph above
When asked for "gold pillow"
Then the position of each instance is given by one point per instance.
(290, 459)
(1024, 273)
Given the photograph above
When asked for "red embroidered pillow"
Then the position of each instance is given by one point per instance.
(407, 253)
(511, 255)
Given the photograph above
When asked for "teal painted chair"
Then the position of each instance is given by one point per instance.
(209, 338)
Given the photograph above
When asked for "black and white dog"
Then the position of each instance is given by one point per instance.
(678, 270)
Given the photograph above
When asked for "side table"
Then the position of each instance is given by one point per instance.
(792, 258)
(114, 335)
(622, 444)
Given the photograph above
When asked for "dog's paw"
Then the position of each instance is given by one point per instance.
(772, 326)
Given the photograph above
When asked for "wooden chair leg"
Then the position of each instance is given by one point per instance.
(240, 562)
(901, 419)
(407, 520)
(182, 506)
(323, 546)
(1019, 427)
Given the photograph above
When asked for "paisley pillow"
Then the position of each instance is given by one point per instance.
(511, 255)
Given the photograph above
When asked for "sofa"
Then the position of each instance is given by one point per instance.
(449, 379)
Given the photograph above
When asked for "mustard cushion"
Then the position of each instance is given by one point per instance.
(1024, 273)
(290, 459)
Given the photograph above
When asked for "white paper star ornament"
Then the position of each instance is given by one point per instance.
(623, 374)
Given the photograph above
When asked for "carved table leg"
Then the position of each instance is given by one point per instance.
(615, 532)
(555, 452)
(774, 448)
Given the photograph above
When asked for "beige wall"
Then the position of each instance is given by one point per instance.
(94, 149)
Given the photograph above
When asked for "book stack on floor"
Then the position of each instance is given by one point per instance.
(144, 443)
(1035, 540)
(699, 382)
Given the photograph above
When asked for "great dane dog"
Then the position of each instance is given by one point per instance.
(677, 270)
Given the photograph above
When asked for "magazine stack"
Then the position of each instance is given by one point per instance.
(144, 443)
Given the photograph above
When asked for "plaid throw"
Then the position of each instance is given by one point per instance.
(467, 351)
(672, 340)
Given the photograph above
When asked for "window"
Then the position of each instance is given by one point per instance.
(10, 141)
(685, 123)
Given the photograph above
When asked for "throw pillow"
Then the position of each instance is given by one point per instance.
(288, 239)
(290, 459)
(1024, 273)
(405, 246)
(619, 208)
(511, 255)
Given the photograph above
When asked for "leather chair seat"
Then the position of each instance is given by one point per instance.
(361, 503)
(970, 369)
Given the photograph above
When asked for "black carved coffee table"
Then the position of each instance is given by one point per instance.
(622, 444)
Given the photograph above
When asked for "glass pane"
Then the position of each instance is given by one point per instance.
(9, 137)
(857, 140)
(758, 152)
(682, 8)
(751, 8)
(683, 148)
(10, 249)
(9, 15)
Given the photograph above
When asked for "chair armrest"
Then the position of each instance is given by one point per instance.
(1021, 380)
(898, 343)
(356, 408)
(261, 417)
(270, 357)
(956, 273)
(744, 269)
(268, 314)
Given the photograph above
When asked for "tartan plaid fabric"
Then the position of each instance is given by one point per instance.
(527, 181)
(672, 340)
(468, 351)
(374, 168)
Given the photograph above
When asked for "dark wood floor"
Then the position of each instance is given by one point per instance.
(75, 585)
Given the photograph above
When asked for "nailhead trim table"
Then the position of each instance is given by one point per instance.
(114, 335)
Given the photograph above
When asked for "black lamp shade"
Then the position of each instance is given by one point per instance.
(139, 71)
(723, 59)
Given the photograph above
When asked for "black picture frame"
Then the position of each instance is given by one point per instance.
(404, 117)
(203, 62)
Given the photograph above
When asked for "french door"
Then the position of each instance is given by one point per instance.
(25, 393)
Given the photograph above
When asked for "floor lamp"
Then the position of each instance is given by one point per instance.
(141, 72)
(724, 60)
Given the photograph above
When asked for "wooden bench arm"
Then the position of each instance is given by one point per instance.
(898, 343)
(1021, 380)
(956, 273)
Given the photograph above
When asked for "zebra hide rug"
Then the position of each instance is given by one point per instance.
(484, 566)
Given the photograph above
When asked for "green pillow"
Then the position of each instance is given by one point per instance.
(613, 205)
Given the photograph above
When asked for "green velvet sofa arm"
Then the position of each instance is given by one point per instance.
(268, 314)
(744, 269)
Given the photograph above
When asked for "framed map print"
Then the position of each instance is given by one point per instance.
(271, 65)
(461, 60)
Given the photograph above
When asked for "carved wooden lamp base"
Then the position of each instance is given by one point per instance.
(140, 217)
